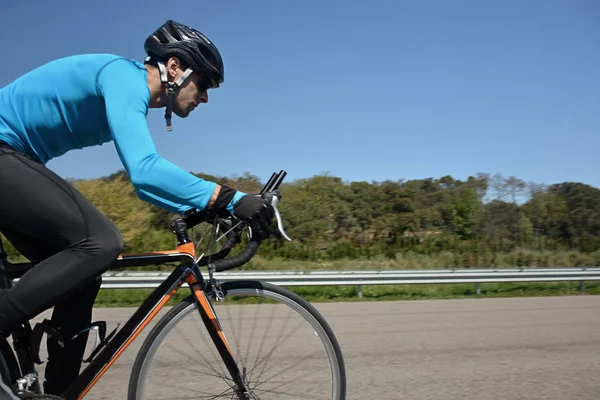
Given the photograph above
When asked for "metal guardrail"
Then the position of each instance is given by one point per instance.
(130, 280)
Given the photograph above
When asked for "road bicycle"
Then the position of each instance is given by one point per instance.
(226, 340)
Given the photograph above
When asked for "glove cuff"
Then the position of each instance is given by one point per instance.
(224, 198)
(227, 199)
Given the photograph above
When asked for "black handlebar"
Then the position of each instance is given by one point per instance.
(194, 218)
(274, 182)
(239, 260)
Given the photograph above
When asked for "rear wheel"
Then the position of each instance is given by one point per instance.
(9, 369)
(282, 345)
(33, 396)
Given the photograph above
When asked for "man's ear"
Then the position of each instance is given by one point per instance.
(173, 68)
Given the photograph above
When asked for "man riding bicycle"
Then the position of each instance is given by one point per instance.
(87, 100)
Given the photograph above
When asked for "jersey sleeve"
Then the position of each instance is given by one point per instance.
(156, 180)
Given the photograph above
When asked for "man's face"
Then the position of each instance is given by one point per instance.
(190, 95)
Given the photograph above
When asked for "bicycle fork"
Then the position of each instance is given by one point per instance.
(213, 326)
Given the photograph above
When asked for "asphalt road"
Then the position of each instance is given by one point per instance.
(520, 348)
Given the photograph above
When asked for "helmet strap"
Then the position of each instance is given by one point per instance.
(172, 88)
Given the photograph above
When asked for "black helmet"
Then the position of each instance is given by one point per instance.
(173, 39)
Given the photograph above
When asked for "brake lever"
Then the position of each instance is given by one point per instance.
(273, 199)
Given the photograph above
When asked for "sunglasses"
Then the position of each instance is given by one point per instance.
(205, 83)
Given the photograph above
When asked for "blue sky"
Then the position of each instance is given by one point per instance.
(364, 90)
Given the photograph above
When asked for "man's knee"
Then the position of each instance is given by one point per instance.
(111, 243)
(106, 243)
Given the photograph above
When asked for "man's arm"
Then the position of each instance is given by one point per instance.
(155, 179)
(170, 206)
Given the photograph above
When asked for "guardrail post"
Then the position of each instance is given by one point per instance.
(477, 288)
(582, 285)
(360, 291)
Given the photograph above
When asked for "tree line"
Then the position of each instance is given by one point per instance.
(330, 218)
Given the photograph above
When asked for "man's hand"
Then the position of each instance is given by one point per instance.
(257, 212)
(254, 210)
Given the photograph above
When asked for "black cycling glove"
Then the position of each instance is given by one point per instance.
(254, 210)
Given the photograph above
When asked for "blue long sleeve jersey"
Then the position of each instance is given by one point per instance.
(88, 100)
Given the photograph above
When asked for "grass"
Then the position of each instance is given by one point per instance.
(134, 297)
(525, 258)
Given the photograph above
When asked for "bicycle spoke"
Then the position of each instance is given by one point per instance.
(254, 396)
(252, 331)
(283, 393)
(195, 392)
(236, 332)
(208, 397)
(193, 361)
(207, 364)
(222, 394)
(210, 345)
(200, 372)
(268, 328)
(279, 371)
(280, 340)
(264, 361)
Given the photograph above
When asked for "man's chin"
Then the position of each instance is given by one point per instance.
(181, 113)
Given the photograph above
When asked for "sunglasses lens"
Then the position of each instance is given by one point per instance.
(205, 84)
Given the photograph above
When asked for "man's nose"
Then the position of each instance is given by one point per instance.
(203, 97)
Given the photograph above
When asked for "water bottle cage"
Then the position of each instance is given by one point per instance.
(49, 329)
(54, 334)
(101, 338)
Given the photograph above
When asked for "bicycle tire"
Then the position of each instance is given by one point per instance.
(280, 296)
(9, 368)
(34, 396)
(10, 372)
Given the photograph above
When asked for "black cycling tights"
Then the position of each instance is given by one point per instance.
(70, 242)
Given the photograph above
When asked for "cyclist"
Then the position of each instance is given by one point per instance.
(87, 100)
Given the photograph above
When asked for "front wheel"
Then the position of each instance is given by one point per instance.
(282, 345)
